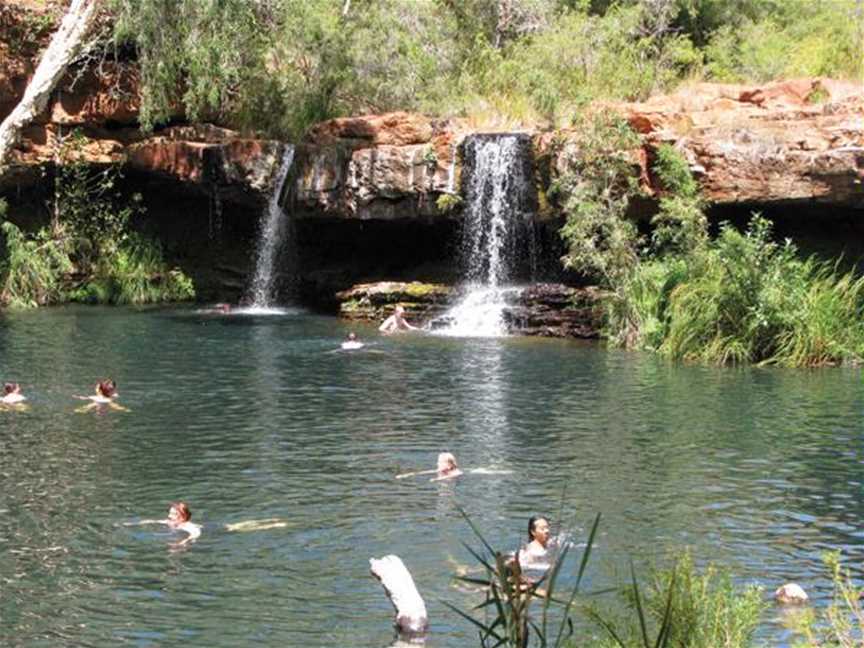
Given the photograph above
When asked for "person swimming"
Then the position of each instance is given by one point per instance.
(179, 519)
(12, 394)
(396, 322)
(351, 342)
(537, 552)
(447, 467)
(106, 394)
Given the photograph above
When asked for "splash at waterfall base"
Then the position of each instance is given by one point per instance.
(541, 309)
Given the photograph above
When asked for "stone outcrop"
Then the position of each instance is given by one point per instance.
(378, 196)
(800, 140)
(377, 167)
(542, 309)
(375, 301)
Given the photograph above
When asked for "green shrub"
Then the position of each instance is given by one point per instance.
(696, 610)
(135, 274)
(32, 268)
(596, 188)
(841, 624)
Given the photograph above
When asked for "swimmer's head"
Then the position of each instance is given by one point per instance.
(352, 336)
(446, 462)
(106, 388)
(11, 388)
(538, 529)
(179, 512)
(400, 310)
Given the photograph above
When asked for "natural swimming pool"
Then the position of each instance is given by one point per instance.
(260, 417)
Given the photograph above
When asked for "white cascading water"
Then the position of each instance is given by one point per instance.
(492, 217)
(270, 241)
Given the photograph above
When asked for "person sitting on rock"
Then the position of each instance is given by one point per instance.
(12, 394)
(396, 322)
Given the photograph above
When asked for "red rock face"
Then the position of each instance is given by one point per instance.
(797, 140)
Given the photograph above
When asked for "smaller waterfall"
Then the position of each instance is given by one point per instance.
(499, 198)
(271, 239)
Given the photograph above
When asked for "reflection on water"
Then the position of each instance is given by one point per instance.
(255, 419)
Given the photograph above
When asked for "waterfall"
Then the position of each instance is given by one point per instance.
(499, 196)
(270, 239)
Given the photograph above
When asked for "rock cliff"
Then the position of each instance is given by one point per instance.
(377, 196)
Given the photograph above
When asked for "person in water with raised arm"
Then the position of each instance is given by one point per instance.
(106, 393)
(396, 322)
(12, 394)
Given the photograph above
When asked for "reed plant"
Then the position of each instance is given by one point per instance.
(509, 597)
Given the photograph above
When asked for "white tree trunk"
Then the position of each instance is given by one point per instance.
(65, 45)
(400, 589)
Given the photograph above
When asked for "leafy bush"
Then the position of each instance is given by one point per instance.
(747, 299)
(841, 624)
(135, 274)
(89, 252)
(596, 190)
(32, 268)
(687, 608)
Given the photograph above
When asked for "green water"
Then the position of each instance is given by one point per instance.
(260, 417)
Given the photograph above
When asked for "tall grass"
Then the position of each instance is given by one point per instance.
(32, 268)
(741, 299)
(691, 608)
(135, 273)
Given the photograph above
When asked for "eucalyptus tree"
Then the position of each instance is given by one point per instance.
(68, 42)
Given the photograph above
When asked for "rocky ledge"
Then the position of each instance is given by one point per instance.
(542, 309)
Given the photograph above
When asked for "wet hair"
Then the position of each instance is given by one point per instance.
(447, 461)
(10, 388)
(532, 523)
(182, 509)
(106, 388)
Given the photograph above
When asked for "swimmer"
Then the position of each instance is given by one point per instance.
(536, 553)
(12, 394)
(396, 322)
(179, 519)
(106, 392)
(447, 467)
(223, 308)
(351, 342)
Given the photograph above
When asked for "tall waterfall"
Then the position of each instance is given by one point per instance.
(499, 196)
(270, 239)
